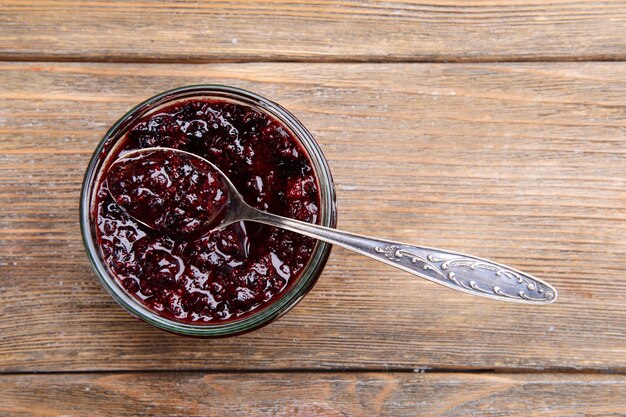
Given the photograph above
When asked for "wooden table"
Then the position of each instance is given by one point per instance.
(508, 141)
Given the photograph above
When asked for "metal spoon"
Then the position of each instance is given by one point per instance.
(454, 270)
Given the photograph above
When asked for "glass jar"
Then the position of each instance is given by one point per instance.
(286, 300)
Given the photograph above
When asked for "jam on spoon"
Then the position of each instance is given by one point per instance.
(175, 193)
(461, 272)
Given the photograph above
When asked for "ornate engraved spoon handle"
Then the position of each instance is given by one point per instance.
(454, 270)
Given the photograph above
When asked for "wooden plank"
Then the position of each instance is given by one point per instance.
(525, 164)
(241, 30)
(327, 394)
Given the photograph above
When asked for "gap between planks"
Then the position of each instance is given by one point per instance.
(313, 60)
(468, 371)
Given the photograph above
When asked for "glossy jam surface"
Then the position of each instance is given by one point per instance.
(233, 272)
(173, 192)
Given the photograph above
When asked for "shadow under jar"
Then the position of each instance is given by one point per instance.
(232, 280)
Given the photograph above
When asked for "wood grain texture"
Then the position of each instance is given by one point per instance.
(431, 30)
(320, 395)
(525, 164)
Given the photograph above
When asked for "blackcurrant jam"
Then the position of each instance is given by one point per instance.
(230, 273)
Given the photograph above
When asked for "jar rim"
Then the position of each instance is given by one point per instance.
(285, 301)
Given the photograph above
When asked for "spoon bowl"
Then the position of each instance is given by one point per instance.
(172, 191)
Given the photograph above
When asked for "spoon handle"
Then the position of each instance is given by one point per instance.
(454, 270)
